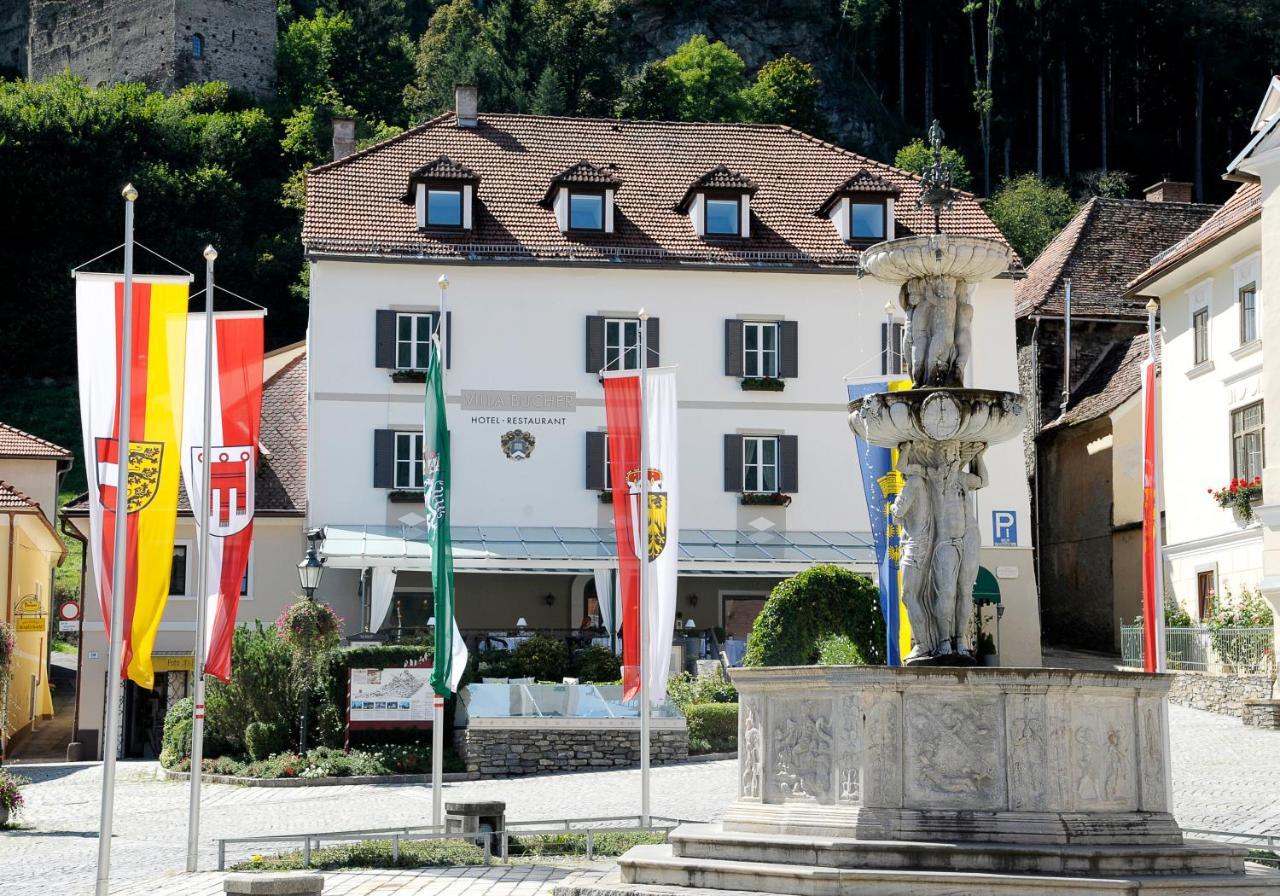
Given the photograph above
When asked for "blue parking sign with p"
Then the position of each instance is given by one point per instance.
(1004, 527)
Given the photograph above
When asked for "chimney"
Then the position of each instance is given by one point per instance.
(344, 137)
(466, 101)
(1169, 191)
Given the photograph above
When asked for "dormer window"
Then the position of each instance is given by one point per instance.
(443, 193)
(582, 198)
(586, 210)
(719, 204)
(861, 209)
(444, 207)
(723, 216)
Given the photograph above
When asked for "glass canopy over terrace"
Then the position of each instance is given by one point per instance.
(583, 548)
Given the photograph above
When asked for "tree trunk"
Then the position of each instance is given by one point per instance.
(1199, 126)
(1039, 123)
(1065, 134)
(902, 59)
(1008, 158)
(1102, 106)
(928, 73)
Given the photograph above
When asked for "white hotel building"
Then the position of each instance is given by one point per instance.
(742, 244)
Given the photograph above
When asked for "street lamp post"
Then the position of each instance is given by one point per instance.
(310, 572)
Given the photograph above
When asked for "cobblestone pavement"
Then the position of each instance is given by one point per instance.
(1226, 777)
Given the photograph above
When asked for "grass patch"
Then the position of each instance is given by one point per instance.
(59, 646)
(1264, 857)
(439, 853)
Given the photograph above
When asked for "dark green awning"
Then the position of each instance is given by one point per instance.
(986, 590)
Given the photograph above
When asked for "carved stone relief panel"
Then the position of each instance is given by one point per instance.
(1026, 725)
(1059, 788)
(751, 754)
(953, 755)
(849, 746)
(801, 751)
(1103, 761)
(882, 748)
(1153, 792)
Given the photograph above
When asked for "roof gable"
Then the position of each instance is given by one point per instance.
(718, 178)
(16, 443)
(1100, 250)
(352, 205)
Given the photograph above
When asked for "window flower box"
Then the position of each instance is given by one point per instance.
(1239, 495)
(606, 496)
(763, 384)
(408, 376)
(767, 499)
(405, 496)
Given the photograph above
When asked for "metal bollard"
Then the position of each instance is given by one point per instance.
(591, 849)
(505, 846)
(488, 847)
(306, 852)
(395, 848)
(222, 855)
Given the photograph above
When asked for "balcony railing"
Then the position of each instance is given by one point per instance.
(1224, 651)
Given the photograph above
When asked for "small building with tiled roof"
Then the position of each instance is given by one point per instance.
(740, 243)
(270, 584)
(1089, 539)
(33, 465)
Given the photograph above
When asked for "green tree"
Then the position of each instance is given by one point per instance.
(1030, 212)
(576, 42)
(786, 91)
(456, 49)
(917, 157)
(651, 93)
(313, 56)
(711, 80)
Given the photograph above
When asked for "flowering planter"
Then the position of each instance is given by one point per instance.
(763, 384)
(773, 499)
(1239, 495)
(4, 816)
(408, 376)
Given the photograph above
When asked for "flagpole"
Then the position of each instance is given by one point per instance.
(437, 702)
(200, 515)
(1158, 577)
(642, 554)
(111, 730)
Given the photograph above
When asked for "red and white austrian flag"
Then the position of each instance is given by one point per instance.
(233, 464)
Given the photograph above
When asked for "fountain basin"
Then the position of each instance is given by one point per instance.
(967, 258)
(888, 419)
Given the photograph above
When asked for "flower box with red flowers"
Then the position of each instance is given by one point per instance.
(1239, 495)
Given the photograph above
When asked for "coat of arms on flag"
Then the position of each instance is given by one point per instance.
(231, 480)
(144, 462)
(657, 528)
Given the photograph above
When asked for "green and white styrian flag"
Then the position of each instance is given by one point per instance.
(450, 649)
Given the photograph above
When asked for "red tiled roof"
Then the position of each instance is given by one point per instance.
(1113, 381)
(444, 168)
(280, 486)
(718, 178)
(12, 499)
(1242, 209)
(16, 443)
(353, 204)
(1100, 250)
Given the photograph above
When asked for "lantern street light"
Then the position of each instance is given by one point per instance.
(311, 567)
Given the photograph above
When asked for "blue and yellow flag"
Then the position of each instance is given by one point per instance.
(881, 483)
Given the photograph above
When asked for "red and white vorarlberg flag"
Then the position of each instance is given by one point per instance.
(659, 547)
(233, 437)
(1152, 580)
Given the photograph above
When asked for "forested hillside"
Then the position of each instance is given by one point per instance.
(1046, 101)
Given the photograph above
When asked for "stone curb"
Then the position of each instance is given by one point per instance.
(448, 778)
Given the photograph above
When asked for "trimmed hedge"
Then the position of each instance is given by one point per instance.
(809, 607)
(543, 658)
(175, 738)
(713, 727)
(264, 739)
(597, 665)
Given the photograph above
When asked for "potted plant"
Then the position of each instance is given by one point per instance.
(311, 631)
(773, 499)
(763, 384)
(1239, 495)
(10, 796)
(405, 496)
(408, 376)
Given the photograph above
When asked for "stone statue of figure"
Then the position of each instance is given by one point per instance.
(964, 330)
(941, 299)
(937, 338)
(951, 512)
(915, 335)
(974, 478)
(913, 512)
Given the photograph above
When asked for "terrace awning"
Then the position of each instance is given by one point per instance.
(583, 549)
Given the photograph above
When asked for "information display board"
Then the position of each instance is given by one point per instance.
(390, 698)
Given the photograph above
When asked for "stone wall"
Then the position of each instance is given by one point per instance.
(530, 751)
(13, 37)
(1225, 694)
(104, 41)
(1261, 713)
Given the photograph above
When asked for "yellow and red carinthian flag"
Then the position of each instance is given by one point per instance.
(157, 360)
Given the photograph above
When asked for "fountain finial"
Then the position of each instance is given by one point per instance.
(936, 192)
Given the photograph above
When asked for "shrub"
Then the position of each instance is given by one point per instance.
(175, 738)
(684, 689)
(597, 664)
(806, 608)
(10, 793)
(329, 710)
(263, 739)
(542, 658)
(712, 724)
(260, 690)
(496, 664)
(838, 650)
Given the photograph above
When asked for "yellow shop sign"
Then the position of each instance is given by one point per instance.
(173, 662)
(30, 624)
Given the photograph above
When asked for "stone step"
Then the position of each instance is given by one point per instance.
(654, 870)
(711, 841)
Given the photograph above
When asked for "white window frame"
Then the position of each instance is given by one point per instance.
(462, 214)
(410, 442)
(608, 470)
(604, 200)
(1246, 273)
(1261, 430)
(617, 349)
(760, 468)
(894, 363)
(736, 201)
(884, 219)
(188, 588)
(415, 343)
(246, 592)
(1200, 297)
(760, 354)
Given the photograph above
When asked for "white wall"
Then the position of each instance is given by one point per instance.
(1196, 404)
(523, 328)
(37, 478)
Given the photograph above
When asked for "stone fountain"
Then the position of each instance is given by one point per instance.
(922, 780)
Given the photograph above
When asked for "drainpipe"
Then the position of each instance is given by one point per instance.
(1066, 361)
(75, 744)
(1035, 442)
(8, 589)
